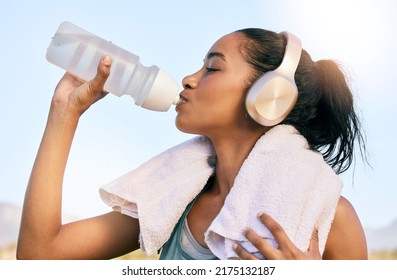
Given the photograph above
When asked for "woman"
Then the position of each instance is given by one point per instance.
(212, 104)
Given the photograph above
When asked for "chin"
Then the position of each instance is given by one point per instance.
(180, 126)
(186, 128)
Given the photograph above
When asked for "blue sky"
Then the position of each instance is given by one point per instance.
(115, 136)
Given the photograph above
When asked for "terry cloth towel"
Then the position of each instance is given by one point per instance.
(281, 177)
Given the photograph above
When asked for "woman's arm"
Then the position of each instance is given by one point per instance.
(346, 239)
(42, 234)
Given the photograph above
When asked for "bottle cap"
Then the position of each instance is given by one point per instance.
(163, 93)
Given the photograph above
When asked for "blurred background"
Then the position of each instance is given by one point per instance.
(115, 136)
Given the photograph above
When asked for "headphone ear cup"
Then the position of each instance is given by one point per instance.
(273, 95)
(271, 98)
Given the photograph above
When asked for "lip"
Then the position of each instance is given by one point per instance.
(182, 100)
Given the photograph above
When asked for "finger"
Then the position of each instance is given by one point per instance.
(278, 232)
(242, 253)
(314, 244)
(69, 82)
(74, 78)
(264, 247)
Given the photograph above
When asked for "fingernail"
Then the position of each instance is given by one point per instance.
(259, 215)
(246, 230)
(234, 246)
(107, 60)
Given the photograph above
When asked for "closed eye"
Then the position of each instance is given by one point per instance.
(209, 69)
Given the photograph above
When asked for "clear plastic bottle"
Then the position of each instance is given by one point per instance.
(79, 51)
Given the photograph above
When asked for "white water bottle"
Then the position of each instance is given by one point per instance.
(79, 51)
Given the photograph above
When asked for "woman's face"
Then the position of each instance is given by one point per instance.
(212, 101)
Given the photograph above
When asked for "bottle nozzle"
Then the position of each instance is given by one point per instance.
(176, 99)
(164, 93)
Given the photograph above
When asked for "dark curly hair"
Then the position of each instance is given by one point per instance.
(324, 112)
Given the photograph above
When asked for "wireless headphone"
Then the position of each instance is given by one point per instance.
(273, 95)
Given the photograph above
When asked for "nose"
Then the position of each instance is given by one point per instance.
(190, 81)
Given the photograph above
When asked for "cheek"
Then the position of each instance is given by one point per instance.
(225, 109)
(226, 91)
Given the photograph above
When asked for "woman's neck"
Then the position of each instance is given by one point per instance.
(231, 153)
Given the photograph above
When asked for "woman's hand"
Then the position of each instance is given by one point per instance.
(78, 95)
(287, 249)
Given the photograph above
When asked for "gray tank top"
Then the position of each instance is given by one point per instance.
(182, 245)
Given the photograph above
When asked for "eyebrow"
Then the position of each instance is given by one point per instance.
(215, 54)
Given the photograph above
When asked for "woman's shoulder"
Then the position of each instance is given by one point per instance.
(346, 239)
(344, 209)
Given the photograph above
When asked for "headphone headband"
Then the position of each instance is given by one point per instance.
(292, 55)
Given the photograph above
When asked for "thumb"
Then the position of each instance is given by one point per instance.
(103, 72)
